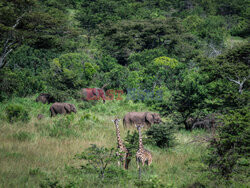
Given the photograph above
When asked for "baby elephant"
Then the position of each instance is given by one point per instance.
(62, 108)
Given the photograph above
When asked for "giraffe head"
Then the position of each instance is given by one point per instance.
(139, 126)
(116, 121)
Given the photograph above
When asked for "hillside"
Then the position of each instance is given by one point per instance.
(187, 60)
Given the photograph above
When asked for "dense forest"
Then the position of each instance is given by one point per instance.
(188, 60)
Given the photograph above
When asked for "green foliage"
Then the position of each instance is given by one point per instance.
(231, 65)
(98, 158)
(212, 28)
(14, 83)
(87, 104)
(70, 71)
(16, 112)
(166, 62)
(132, 142)
(61, 128)
(173, 52)
(161, 135)
(152, 181)
(30, 58)
(117, 77)
(229, 149)
(23, 136)
(127, 37)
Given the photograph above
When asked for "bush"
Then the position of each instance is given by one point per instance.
(16, 113)
(20, 82)
(161, 135)
(98, 158)
(87, 104)
(132, 142)
(23, 136)
(61, 128)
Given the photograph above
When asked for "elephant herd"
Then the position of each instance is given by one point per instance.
(131, 118)
(56, 107)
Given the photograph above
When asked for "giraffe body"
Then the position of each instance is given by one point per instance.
(142, 155)
(123, 152)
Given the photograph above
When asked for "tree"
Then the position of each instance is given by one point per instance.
(32, 23)
(228, 151)
(11, 14)
(127, 37)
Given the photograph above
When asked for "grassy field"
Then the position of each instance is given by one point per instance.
(42, 152)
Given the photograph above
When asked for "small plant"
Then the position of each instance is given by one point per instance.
(87, 104)
(61, 128)
(152, 181)
(23, 136)
(16, 113)
(34, 171)
(132, 142)
(161, 135)
(98, 158)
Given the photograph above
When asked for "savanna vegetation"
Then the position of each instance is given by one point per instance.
(185, 59)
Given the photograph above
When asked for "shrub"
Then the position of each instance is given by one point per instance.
(16, 112)
(98, 158)
(61, 128)
(132, 142)
(161, 135)
(151, 181)
(23, 136)
(15, 82)
(87, 104)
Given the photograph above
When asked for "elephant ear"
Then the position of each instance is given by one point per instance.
(150, 117)
(72, 107)
(67, 108)
(95, 91)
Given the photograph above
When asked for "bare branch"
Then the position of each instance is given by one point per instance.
(8, 45)
(2, 59)
(18, 21)
(235, 81)
(240, 83)
(105, 85)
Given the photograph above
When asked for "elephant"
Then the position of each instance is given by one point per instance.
(189, 122)
(145, 118)
(62, 108)
(205, 122)
(93, 94)
(45, 98)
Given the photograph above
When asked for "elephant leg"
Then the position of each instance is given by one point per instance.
(52, 112)
(124, 124)
(148, 124)
(64, 111)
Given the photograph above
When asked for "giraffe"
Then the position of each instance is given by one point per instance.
(123, 152)
(142, 155)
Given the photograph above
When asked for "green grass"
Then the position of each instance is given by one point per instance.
(41, 152)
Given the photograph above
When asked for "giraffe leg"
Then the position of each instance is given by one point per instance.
(143, 162)
(138, 163)
(124, 162)
(149, 161)
(139, 172)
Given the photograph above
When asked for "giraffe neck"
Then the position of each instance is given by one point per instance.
(119, 141)
(140, 140)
